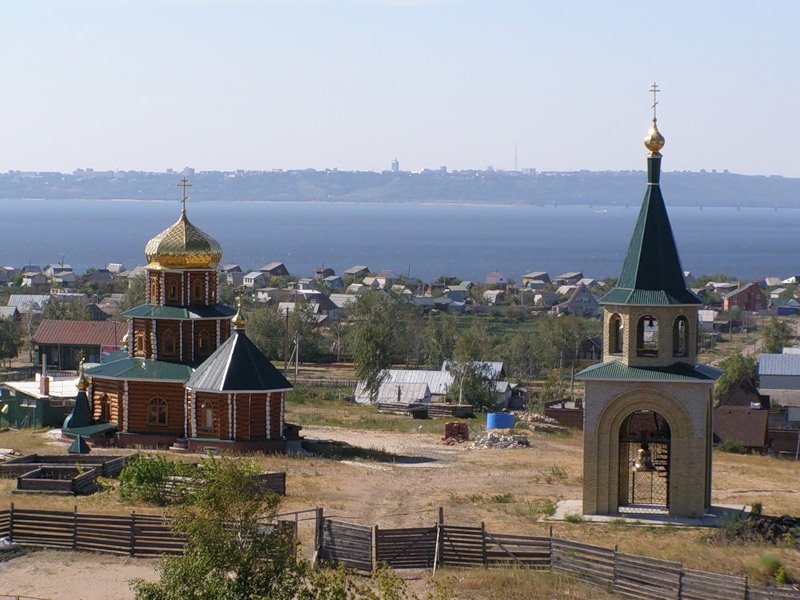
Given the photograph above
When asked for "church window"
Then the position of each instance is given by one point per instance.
(105, 408)
(197, 291)
(173, 292)
(139, 341)
(203, 342)
(647, 336)
(207, 416)
(616, 334)
(680, 337)
(168, 343)
(157, 412)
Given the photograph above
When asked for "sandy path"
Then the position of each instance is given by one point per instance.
(54, 575)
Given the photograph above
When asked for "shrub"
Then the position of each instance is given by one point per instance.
(145, 479)
(731, 446)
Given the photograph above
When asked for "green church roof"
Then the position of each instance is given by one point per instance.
(238, 366)
(156, 311)
(141, 368)
(652, 272)
(618, 371)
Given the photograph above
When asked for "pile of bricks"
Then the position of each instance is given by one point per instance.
(455, 433)
(497, 440)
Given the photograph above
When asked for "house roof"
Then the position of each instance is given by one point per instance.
(571, 275)
(355, 270)
(742, 424)
(60, 387)
(156, 311)
(652, 272)
(403, 393)
(80, 333)
(537, 275)
(238, 365)
(749, 286)
(25, 302)
(779, 364)
(272, 266)
(141, 368)
(617, 371)
(8, 311)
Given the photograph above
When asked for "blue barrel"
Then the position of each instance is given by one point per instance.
(499, 421)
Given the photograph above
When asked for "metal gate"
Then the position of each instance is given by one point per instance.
(644, 463)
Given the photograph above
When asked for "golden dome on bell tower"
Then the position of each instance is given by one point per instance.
(182, 245)
(654, 141)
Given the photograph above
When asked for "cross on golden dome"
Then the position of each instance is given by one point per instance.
(654, 89)
(184, 184)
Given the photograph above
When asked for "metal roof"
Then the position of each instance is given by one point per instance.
(779, 364)
(616, 370)
(652, 272)
(140, 368)
(80, 333)
(237, 365)
(156, 311)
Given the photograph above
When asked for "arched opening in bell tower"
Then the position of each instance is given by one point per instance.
(644, 463)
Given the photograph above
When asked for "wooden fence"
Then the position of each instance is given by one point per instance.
(346, 543)
(361, 547)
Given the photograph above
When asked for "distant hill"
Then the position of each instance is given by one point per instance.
(593, 188)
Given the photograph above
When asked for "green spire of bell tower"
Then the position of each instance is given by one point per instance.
(652, 272)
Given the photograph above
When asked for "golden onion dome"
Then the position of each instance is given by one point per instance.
(239, 320)
(654, 141)
(183, 246)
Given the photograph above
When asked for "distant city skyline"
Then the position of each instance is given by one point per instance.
(353, 84)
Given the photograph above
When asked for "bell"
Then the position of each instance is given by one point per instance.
(644, 462)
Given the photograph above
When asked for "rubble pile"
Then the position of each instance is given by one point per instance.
(537, 421)
(758, 528)
(455, 433)
(7, 454)
(498, 440)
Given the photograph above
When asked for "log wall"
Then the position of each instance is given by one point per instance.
(113, 389)
(141, 392)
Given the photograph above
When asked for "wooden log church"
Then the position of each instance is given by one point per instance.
(189, 378)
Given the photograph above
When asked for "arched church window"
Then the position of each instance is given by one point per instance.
(203, 342)
(680, 337)
(168, 345)
(197, 291)
(207, 417)
(647, 336)
(105, 408)
(154, 291)
(616, 334)
(173, 292)
(139, 341)
(157, 412)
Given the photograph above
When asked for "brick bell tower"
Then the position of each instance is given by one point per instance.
(648, 406)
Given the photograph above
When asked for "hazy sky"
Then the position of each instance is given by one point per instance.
(352, 84)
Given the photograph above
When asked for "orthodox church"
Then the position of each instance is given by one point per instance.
(189, 378)
(648, 405)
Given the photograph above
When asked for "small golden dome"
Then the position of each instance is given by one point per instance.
(183, 246)
(239, 320)
(654, 141)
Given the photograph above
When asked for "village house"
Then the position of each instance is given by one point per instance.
(582, 303)
(275, 269)
(356, 271)
(743, 416)
(779, 377)
(536, 279)
(254, 279)
(494, 297)
(570, 278)
(333, 281)
(323, 272)
(63, 343)
(28, 303)
(43, 402)
(496, 279)
(749, 298)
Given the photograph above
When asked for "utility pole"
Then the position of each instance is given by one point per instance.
(286, 344)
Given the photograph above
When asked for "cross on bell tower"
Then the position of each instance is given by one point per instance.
(184, 184)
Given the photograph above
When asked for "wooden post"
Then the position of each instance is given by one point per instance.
(483, 544)
(374, 553)
(614, 571)
(318, 532)
(74, 527)
(11, 522)
(133, 533)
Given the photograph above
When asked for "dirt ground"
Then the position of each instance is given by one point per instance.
(395, 479)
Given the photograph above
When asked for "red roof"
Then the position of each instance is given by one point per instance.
(742, 424)
(80, 333)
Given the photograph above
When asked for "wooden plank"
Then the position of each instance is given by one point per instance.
(702, 585)
(771, 593)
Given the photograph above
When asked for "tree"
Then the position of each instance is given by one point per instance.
(234, 551)
(266, 327)
(734, 367)
(66, 310)
(230, 553)
(10, 339)
(439, 339)
(472, 384)
(371, 338)
(777, 334)
(134, 295)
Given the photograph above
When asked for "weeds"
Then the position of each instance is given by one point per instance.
(506, 498)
